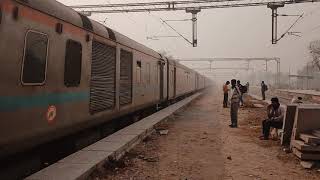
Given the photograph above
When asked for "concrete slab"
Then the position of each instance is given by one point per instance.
(63, 171)
(120, 138)
(306, 156)
(301, 146)
(87, 157)
(306, 119)
(310, 139)
(288, 125)
(106, 146)
(132, 131)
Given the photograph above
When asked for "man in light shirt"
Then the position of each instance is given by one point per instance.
(234, 101)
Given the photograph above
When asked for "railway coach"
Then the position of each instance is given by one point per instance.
(62, 72)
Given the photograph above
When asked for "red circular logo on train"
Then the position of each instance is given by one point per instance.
(51, 114)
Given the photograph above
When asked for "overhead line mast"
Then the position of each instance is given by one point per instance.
(190, 6)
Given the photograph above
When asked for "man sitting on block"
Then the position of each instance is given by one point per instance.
(275, 118)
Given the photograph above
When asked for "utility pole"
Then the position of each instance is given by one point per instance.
(266, 65)
(274, 7)
(194, 12)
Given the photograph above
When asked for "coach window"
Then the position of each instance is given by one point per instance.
(139, 72)
(73, 60)
(35, 59)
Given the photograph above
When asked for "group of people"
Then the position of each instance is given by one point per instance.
(235, 100)
(233, 96)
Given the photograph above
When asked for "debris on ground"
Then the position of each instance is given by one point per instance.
(307, 164)
(258, 106)
(151, 159)
(164, 132)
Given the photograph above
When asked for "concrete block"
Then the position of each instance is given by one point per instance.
(306, 156)
(306, 119)
(288, 124)
(301, 146)
(310, 139)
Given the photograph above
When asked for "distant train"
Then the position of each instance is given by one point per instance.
(61, 72)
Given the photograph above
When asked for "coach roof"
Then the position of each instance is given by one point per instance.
(60, 11)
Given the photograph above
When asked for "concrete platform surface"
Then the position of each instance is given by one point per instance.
(80, 164)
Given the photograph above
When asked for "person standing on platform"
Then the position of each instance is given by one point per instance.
(247, 85)
(239, 85)
(264, 88)
(275, 118)
(234, 101)
(226, 90)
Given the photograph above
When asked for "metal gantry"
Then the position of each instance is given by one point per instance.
(179, 5)
(211, 60)
(190, 6)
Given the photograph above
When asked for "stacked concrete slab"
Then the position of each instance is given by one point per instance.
(305, 137)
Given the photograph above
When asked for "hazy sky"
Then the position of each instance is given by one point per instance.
(231, 32)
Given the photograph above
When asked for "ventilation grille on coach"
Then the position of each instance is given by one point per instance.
(103, 73)
(126, 59)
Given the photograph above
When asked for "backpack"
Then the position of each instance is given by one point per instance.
(243, 89)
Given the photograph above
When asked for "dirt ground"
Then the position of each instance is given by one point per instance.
(200, 145)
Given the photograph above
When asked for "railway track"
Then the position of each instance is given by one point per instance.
(283, 99)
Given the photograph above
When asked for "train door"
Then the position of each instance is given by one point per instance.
(161, 64)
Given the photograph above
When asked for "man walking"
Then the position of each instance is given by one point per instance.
(275, 118)
(226, 89)
(234, 101)
(264, 88)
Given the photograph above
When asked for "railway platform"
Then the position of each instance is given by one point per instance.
(200, 145)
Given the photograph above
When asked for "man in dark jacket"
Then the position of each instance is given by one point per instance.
(264, 88)
(275, 118)
(240, 88)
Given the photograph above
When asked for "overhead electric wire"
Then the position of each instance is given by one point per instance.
(176, 31)
(180, 5)
(295, 22)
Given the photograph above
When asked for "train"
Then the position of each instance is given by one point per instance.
(62, 72)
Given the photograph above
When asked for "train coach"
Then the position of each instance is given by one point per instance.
(62, 72)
